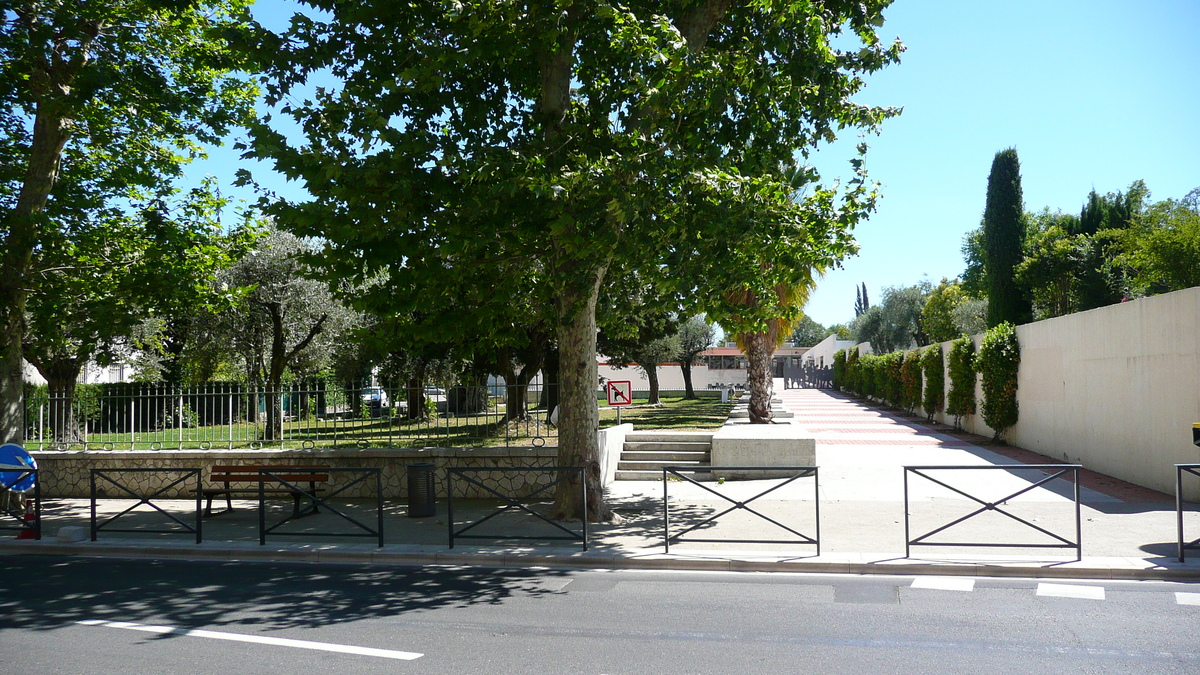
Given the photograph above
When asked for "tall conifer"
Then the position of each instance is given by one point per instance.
(1003, 233)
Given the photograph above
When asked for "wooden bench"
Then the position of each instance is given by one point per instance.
(242, 479)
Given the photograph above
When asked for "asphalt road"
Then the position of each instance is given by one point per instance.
(60, 615)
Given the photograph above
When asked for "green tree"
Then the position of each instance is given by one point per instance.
(647, 340)
(1003, 235)
(808, 332)
(933, 368)
(108, 285)
(695, 336)
(1054, 264)
(1160, 251)
(937, 316)
(895, 323)
(100, 105)
(961, 367)
(1108, 214)
(283, 321)
(572, 137)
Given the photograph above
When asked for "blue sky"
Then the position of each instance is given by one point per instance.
(1092, 94)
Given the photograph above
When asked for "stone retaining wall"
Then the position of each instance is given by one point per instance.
(68, 474)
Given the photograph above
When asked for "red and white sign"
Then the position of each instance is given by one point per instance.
(620, 392)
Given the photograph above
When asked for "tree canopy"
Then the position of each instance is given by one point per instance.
(100, 105)
(571, 139)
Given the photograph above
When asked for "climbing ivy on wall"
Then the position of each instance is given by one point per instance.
(961, 401)
(910, 381)
(998, 361)
(933, 366)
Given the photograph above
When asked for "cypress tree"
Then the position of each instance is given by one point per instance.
(1003, 235)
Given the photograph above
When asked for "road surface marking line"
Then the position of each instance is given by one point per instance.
(1187, 599)
(966, 584)
(257, 639)
(1071, 591)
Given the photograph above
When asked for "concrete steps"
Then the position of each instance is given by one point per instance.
(645, 453)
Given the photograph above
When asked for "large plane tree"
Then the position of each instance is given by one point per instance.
(569, 135)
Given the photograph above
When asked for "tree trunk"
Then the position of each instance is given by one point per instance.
(689, 394)
(580, 416)
(61, 377)
(12, 381)
(550, 381)
(415, 397)
(651, 371)
(759, 348)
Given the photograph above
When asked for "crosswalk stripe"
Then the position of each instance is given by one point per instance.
(1071, 591)
(966, 584)
(1187, 599)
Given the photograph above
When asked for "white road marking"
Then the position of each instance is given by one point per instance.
(258, 639)
(966, 584)
(1187, 599)
(1071, 591)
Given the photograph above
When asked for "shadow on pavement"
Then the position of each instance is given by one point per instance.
(47, 593)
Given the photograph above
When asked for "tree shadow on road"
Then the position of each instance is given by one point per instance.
(46, 593)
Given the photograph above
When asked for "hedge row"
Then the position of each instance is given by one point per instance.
(917, 379)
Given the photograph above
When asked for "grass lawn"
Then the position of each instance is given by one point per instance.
(675, 413)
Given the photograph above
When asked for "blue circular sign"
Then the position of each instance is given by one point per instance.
(14, 455)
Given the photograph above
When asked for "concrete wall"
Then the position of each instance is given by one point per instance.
(1115, 389)
(611, 440)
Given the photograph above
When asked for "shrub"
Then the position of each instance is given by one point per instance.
(961, 400)
(839, 370)
(933, 366)
(853, 372)
(910, 381)
(892, 387)
(998, 361)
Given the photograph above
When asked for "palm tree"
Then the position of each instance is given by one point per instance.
(760, 346)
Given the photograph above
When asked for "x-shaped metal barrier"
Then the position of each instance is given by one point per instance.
(1180, 469)
(284, 477)
(1059, 471)
(107, 476)
(565, 473)
(804, 472)
(12, 475)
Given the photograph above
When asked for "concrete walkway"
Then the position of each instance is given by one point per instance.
(1127, 531)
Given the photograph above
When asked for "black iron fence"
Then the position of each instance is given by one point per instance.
(1184, 544)
(1052, 472)
(298, 483)
(118, 478)
(519, 504)
(683, 473)
(308, 414)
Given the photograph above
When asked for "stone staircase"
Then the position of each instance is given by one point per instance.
(645, 453)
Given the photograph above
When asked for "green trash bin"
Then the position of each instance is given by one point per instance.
(422, 490)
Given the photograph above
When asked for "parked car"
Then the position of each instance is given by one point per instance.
(375, 398)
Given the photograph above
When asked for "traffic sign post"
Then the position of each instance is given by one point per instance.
(620, 392)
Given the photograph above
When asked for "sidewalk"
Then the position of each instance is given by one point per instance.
(1127, 532)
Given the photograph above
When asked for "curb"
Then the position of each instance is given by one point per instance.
(593, 560)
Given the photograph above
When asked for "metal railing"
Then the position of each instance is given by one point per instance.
(804, 472)
(1184, 544)
(313, 414)
(127, 492)
(10, 476)
(1059, 470)
(565, 473)
(282, 477)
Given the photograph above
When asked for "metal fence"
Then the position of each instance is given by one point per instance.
(313, 414)
(1051, 472)
(681, 473)
(1184, 544)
